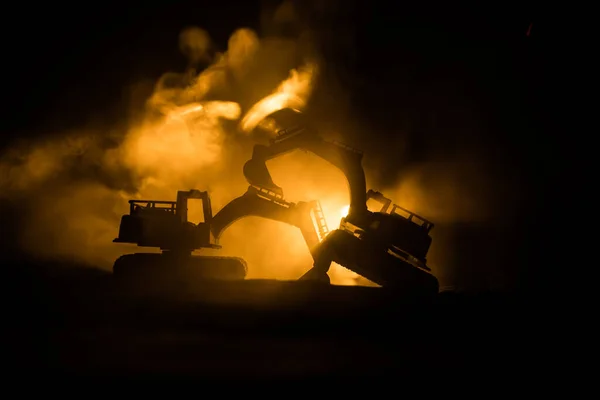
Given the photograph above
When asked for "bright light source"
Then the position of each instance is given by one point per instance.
(344, 211)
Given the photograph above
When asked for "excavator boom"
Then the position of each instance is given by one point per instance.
(164, 224)
(302, 136)
(387, 247)
(260, 202)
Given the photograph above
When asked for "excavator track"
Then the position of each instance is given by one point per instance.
(158, 269)
(382, 268)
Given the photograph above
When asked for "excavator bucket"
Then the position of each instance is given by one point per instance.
(280, 120)
(257, 174)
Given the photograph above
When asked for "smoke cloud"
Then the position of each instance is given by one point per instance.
(75, 190)
(194, 133)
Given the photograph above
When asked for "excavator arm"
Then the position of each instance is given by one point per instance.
(260, 202)
(387, 247)
(297, 134)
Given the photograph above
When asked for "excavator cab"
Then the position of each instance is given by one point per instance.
(380, 198)
(165, 225)
(405, 233)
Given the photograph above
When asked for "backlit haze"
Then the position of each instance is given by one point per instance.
(195, 133)
(185, 140)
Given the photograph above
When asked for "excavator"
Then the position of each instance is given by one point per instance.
(165, 225)
(388, 247)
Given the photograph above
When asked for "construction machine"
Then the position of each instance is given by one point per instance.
(388, 247)
(165, 225)
(261, 202)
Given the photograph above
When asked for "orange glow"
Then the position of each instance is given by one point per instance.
(344, 211)
(189, 139)
(185, 141)
(73, 187)
(293, 93)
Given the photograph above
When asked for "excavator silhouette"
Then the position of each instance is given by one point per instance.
(165, 225)
(388, 247)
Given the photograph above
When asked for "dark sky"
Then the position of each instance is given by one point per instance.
(399, 65)
(63, 57)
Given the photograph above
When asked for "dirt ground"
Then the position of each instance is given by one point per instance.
(78, 322)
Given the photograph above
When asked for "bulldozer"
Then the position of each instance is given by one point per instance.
(388, 247)
(164, 225)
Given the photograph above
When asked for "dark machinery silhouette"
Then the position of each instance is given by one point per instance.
(261, 202)
(388, 247)
(165, 225)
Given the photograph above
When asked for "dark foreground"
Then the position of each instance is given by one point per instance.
(78, 322)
